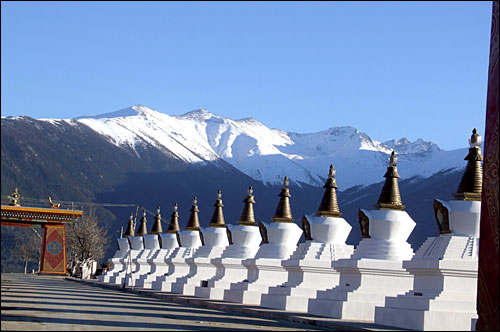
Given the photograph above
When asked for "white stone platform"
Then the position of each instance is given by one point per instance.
(266, 269)
(158, 261)
(309, 268)
(190, 241)
(136, 251)
(229, 267)
(374, 271)
(118, 262)
(200, 266)
(445, 285)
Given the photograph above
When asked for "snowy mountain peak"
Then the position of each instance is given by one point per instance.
(404, 146)
(268, 154)
(125, 112)
(200, 114)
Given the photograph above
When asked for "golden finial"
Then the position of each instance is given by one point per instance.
(142, 226)
(173, 227)
(15, 198)
(218, 216)
(470, 187)
(389, 198)
(283, 212)
(329, 206)
(52, 204)
(130, 227)
(157, 228)
(194, 222)
(247, 216)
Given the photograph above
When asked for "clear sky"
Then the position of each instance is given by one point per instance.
(389, 69)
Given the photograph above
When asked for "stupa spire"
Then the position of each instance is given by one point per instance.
(157, 228)
(194, 222)
(283, 212)
(142, 226)
(329, 206)
(247, 216)
(130, 227)
(470, 186)
(218, 216)
(389, 198)
(173, 227)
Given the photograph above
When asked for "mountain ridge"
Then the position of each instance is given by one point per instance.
(266, 154)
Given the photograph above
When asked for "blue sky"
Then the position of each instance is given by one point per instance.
(390, 69)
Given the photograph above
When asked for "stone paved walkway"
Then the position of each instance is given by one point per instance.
(43, 303)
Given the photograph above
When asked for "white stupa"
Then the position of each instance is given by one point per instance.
(191, 240)
(136, 250)
(169, 242)
(375, 270)
(215, 242)
(310, 266)
(137, 263)
(151, 249)
(119, 260)
(266, 269)
(445, 267)
(245, 238)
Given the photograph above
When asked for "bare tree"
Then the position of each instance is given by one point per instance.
(86, 242)
(28, 248)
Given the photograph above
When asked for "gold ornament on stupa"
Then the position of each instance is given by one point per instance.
(247, 215)
(157, 228)
(470, 187)
(173, 227)
(283, 212)
(329, 206)
(194, 222)
(389, 198)
(218, 215)
(142, 226)
(130, 227)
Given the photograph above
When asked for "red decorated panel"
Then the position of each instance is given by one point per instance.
(54, 250)
(487, 291)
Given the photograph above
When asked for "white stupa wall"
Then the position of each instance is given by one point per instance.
(229, 268)
(158, 262)
(136, 250)
(118, 260)
(200, 266)
(309, 268)
(141, 265)
(283, 238)
(375, 269)
(266, 269)
(464, 216)
(168, 241)
(444, 291)
(190, 242)
(389, 231)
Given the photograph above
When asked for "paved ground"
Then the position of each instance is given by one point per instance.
(32, 302)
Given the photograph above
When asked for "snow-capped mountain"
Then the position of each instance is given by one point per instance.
(268, 154)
